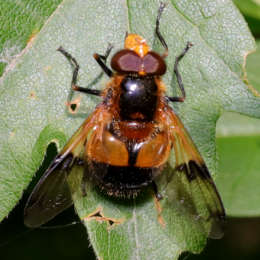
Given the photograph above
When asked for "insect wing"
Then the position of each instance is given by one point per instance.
(52, 194)
(194, 180)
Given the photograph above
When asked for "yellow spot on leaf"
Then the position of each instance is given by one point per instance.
(47, 68)
(32, 37)
(32, 95)
(12, 135)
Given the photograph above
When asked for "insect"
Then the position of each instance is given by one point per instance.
(125, 144)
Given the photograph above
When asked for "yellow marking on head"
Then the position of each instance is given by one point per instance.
(137, 44)
(142, 73)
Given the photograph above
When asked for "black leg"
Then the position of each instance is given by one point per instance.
(126, 34)
(156, 192)
(75, 64)
(108, 50)
(178, 75)
(101, 60)
(157, 30)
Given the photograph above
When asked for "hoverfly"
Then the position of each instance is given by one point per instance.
(125, 144)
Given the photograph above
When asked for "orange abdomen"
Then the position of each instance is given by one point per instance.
(118, 144)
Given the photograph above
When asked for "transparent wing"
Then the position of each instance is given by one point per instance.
(194, 180)
(52, 193)
(50, 196)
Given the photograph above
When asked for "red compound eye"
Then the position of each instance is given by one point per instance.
(126, 61)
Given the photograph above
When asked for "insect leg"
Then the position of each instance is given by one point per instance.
(84, 181)
(156, 192)
(157, 30)
(75, 64)
(178, 75)
(108, 50)
(101, 60)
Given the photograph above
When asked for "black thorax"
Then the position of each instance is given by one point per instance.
(138, 98)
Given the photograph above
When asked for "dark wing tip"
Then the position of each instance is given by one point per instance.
(31, 219)
(197, 174)
(40, 212)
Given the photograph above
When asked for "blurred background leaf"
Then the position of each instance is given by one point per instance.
(251, 11)
(238, 143)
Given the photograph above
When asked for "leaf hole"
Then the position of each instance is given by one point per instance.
(97, 214)
(73, 106)
(99, 217)
(111, 222)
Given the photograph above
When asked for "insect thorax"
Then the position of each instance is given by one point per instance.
(138, 98)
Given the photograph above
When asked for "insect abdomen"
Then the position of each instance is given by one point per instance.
(128, 157)
(121, 181)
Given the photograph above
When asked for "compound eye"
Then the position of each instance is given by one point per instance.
(126, 61)
(154, 64)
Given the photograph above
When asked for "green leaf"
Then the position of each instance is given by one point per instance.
(20, 21)
(239, 174)
(238, 146)
(34, 113)
(251, 11)
(249, 8)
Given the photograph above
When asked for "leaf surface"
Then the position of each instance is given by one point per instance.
(20, 21)
(33, 109)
